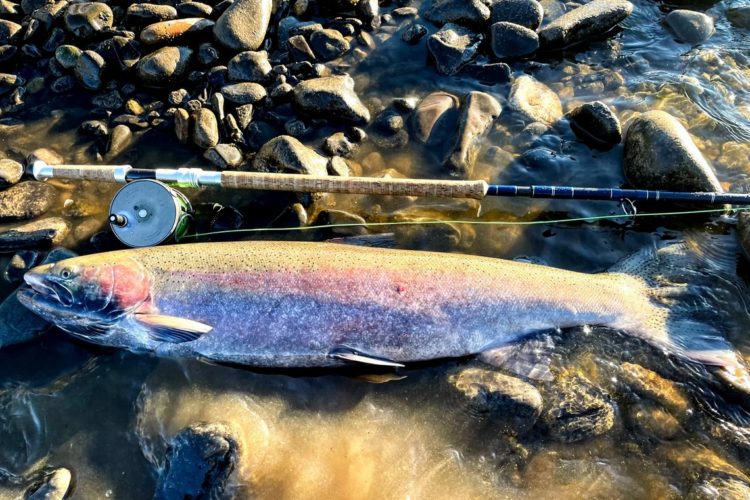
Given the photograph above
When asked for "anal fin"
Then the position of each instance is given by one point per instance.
(354, 356)
(163, 328)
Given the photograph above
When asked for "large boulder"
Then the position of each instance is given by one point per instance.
(477, 114)
(583, 23)
(286, 154)
(331, 97)
(244, 24)
(453, 47)
(659, 154)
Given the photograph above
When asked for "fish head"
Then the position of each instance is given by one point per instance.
(86, 295)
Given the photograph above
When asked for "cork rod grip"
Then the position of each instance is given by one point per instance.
(104, 173)
(354, 185)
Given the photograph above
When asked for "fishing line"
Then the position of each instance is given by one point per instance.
(470, 222)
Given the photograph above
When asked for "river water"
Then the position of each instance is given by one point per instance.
(108, 416)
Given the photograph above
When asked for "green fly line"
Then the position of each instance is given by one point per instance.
(471, 222)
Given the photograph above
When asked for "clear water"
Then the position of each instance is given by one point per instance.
(108, 415)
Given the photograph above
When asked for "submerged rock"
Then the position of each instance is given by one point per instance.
(595, 124)
(582, 23)
(165, 66)
(39, 234)
(471, 12)
(716, 486)
(535, 101)
(576, 410)
(26, 200)
(739, 16)
(434, 117)
(453, 47)
(331, 97)
(526, 13)
(510, 40)
(690, 26)
(199, 462)
(477, 114)
(659, 154)
(244, 24)
(54, 486)
(413, 33)
(496, 397)
(286, 154)
(650, 385)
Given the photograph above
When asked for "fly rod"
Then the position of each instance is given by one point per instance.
(476, 189)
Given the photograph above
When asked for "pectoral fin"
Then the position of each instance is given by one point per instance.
(172, 329)
(352, 355)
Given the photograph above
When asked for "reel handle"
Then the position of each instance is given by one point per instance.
(354, 185)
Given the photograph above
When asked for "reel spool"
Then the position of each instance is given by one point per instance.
(146, 212)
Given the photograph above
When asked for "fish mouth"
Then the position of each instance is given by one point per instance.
(50, 289)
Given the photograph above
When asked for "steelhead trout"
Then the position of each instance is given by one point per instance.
(299, 304)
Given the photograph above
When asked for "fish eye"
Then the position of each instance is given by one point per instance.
(65, 273)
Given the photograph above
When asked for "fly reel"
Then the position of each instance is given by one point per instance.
(146, 212)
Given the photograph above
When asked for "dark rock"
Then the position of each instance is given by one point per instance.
(54, 486)
(339, 144)
(121, 52)
(659, 154)
(249, 66)
(296, 128)
(141, 14)
(243, 25)
(10, 32)
(690, 26)
(576, 410)
(739, 16)
(67, 56)
(9, 8)
(329, 217)
(88, 70)
(244, 93)
(224, 156)
(21, 262)
(453, 47)
(165, 66)
(194, 9)
(413, 33)
(30, 51)
(207, 54)
(595, 124)
(49, 13)
(526, 13)
(244, 115)
(175, 30)
(469, 12)
(40, 234)
(328, 44)
(299, 49)
(205, 128)
(199, 462)
(63, 84)
(95, 128)
(510, 40)
(478, 113)
(331, 97)
(86, 19)
(7, 53)
(287, 154)
(119, 139)
(495, 397)
(435, 117)
(9, 82)
(534, 101)
(26, 200)
(405, 12)
(110, 100)
(590, 20)
(10, 172)
(492, 73)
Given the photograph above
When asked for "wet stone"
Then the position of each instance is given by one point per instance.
(576, 410)
(244, 115)
(469, 12)
(739, 16)
(194, 9)
(165, 66)
(199, 461)
(224, 156)
(10, 32)
(534, 101)
(56, 38)
(243, 25)
(339, 144)
(690, 26)
(26, 200)
(182, 125)
(54, 486)
(526, 13)
(249, 66)
(498, 72)
(654, 422)
(63, 84)
(650, 385)
(299, 49)
(434, 117)
(453, 47)
(244, 93)
(498, 398)
(119, 140)
(10, 172)
(7, 53)
(595, 124)
(287, 154)
(329, 217)
(21, 262)
(88, 70)
(413, 33)
(478, 112)
(581, 24)
(9, 82)
(148, 13)
(169, 31)
(121, 52)
(331, 97)
(110, 100)
(510, 40)
(660, 154)
(86, 19)
(205, 129)
(328, 44)
(207, 54)
(339, 166)
(39, 234)
(9, 8)
(715, 487)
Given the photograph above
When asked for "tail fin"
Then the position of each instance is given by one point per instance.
(695, 281)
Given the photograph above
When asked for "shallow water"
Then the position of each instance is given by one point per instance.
(107, 416)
